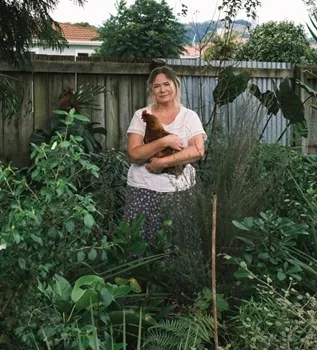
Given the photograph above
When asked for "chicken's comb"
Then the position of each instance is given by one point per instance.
(144, 112)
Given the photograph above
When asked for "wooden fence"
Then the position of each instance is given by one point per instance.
(125, 83)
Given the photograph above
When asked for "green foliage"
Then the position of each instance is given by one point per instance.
(108, 190)
(289, 102)
(78, 279)
(22, 22)
(232, 169)
(282, 98)
(79, 125)
(46, 223)
(275, 320)
(146, 29)
(75, 315)
(275, 42)
(185, 271)
(181, 333)
(312, 57)
(230, 86)
(222, 47)
(294, 191)
(85, 94)
(49, 228)
(187, 332)
(267, 249)
(54, 218)
(204, 302)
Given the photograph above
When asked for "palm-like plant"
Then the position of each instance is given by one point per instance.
(82, 98)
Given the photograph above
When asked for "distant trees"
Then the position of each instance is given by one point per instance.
(275, 42)
(85, 25)
(222, 47)
(146, 29)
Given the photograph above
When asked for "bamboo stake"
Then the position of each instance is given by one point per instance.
(213, 268)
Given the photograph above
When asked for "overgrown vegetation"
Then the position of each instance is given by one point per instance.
(75, 276)
(88, 280)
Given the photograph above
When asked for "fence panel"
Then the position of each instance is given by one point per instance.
(112, 112)
(126, 85)
(25, 119)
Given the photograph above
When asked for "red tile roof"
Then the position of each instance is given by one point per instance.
(194, 51)
(73, 32)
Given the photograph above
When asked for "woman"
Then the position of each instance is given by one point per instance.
(147, 184)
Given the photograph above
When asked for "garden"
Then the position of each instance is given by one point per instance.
(234, 269)
(236, 275)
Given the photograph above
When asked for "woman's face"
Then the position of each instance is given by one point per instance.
(163, 89)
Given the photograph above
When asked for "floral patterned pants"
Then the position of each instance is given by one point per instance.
(149, 203)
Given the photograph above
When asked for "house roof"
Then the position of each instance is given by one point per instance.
(73, 32)
(194, 51)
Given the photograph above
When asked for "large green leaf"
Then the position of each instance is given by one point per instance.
(230, 86)
(312, 92)
(267, 99)
(86, 291)
(62, 288)
(289, 102)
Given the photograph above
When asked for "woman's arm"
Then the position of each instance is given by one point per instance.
(190, 154)
(139, 153)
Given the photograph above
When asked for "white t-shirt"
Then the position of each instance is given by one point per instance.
(186, 125)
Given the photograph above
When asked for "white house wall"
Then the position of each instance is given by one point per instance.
(73, 50)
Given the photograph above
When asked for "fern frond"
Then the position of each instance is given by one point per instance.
(190, 331)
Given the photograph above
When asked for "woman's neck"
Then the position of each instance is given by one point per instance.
(166, 112)
(166, 108)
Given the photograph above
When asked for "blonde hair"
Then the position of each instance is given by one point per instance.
(171, 76)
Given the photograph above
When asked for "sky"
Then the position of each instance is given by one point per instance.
(96, 12)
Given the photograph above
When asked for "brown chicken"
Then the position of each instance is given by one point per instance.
(66, 101)
(153, 131)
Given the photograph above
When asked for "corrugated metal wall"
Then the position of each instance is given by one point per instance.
(197, 94)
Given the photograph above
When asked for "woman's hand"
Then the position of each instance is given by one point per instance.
(155, 165)
(174, 142)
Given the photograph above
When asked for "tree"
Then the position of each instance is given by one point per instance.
(146, 29)
(232, 7)
(222, 47)
(275, 42)
(23, 21)
(311, 5)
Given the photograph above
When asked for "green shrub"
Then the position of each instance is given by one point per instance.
(268, 243)
(275, 321)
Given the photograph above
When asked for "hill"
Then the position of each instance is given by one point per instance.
(197, 31)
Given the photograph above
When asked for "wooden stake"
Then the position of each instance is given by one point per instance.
(213, 268)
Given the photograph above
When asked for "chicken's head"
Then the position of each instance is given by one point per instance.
(145, 115)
